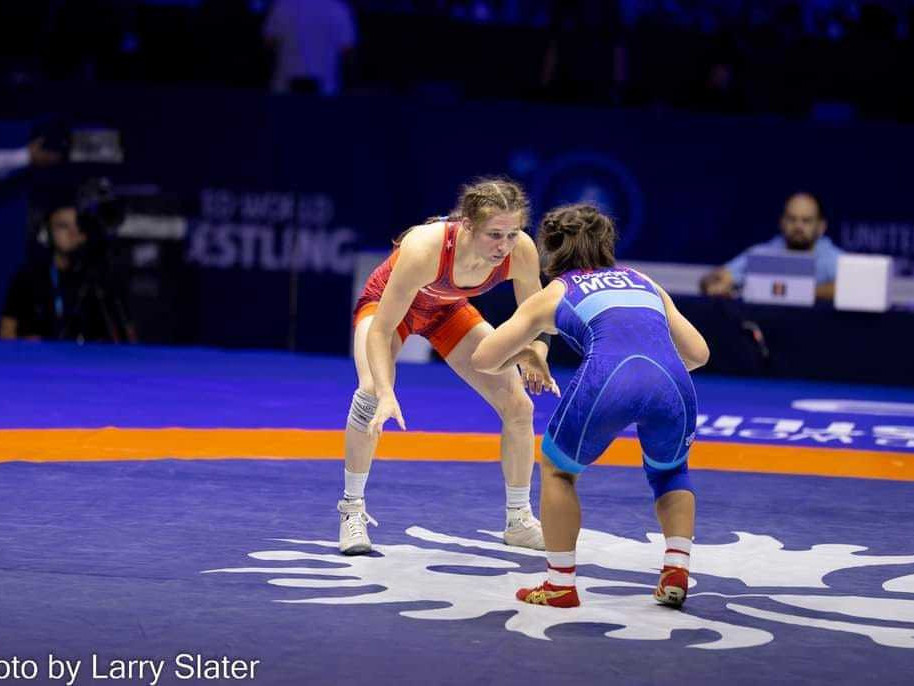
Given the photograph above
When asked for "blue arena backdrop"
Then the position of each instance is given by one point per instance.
(269, 181)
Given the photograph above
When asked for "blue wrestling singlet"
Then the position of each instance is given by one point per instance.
(630, 373)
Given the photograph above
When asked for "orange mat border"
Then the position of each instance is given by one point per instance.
(65, 445)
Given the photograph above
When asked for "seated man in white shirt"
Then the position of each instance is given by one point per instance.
(803, 227)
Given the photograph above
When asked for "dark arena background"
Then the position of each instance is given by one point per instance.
(174, 389)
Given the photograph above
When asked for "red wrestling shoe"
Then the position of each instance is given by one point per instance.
(673, 586)
(547, 594)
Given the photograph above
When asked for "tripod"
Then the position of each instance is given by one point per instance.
(108, 305)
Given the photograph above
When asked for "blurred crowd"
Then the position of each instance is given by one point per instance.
(832, 19)
(832, 58)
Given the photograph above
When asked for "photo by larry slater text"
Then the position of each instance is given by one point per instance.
(184, 666)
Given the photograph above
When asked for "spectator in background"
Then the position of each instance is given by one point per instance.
(720, 88)
(66, 293)
(311, 39)
(34, 154)
(718, 93)
(803, 227)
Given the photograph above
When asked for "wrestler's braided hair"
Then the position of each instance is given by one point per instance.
(576, 236)
(483, 198)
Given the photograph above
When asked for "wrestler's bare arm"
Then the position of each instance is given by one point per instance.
(689, 342)
(417, 265)
(525, 275)
(510, 342)
(525, 269)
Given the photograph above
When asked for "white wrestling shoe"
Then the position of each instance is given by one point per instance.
(354, 527)
(523, 529)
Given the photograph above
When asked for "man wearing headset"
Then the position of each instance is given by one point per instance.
(65, 295)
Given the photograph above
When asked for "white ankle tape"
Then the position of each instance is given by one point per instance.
(361, 410)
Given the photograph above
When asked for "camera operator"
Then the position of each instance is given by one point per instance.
(67, 292)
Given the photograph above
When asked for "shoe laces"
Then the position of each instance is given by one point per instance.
(523, 516)
(356, 520)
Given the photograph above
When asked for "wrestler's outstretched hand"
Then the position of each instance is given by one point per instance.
(534, 371)
(388, 408)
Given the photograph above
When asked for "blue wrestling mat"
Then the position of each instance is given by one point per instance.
(797, 579)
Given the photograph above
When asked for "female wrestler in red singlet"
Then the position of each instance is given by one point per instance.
(422, 288)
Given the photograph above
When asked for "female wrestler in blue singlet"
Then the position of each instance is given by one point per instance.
(637, 349)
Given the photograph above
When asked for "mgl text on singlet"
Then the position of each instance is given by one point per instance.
(603, 280)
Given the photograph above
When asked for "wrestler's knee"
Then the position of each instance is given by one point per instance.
(662, 482)
(361, 410)
(557, 476)
(515, 407)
